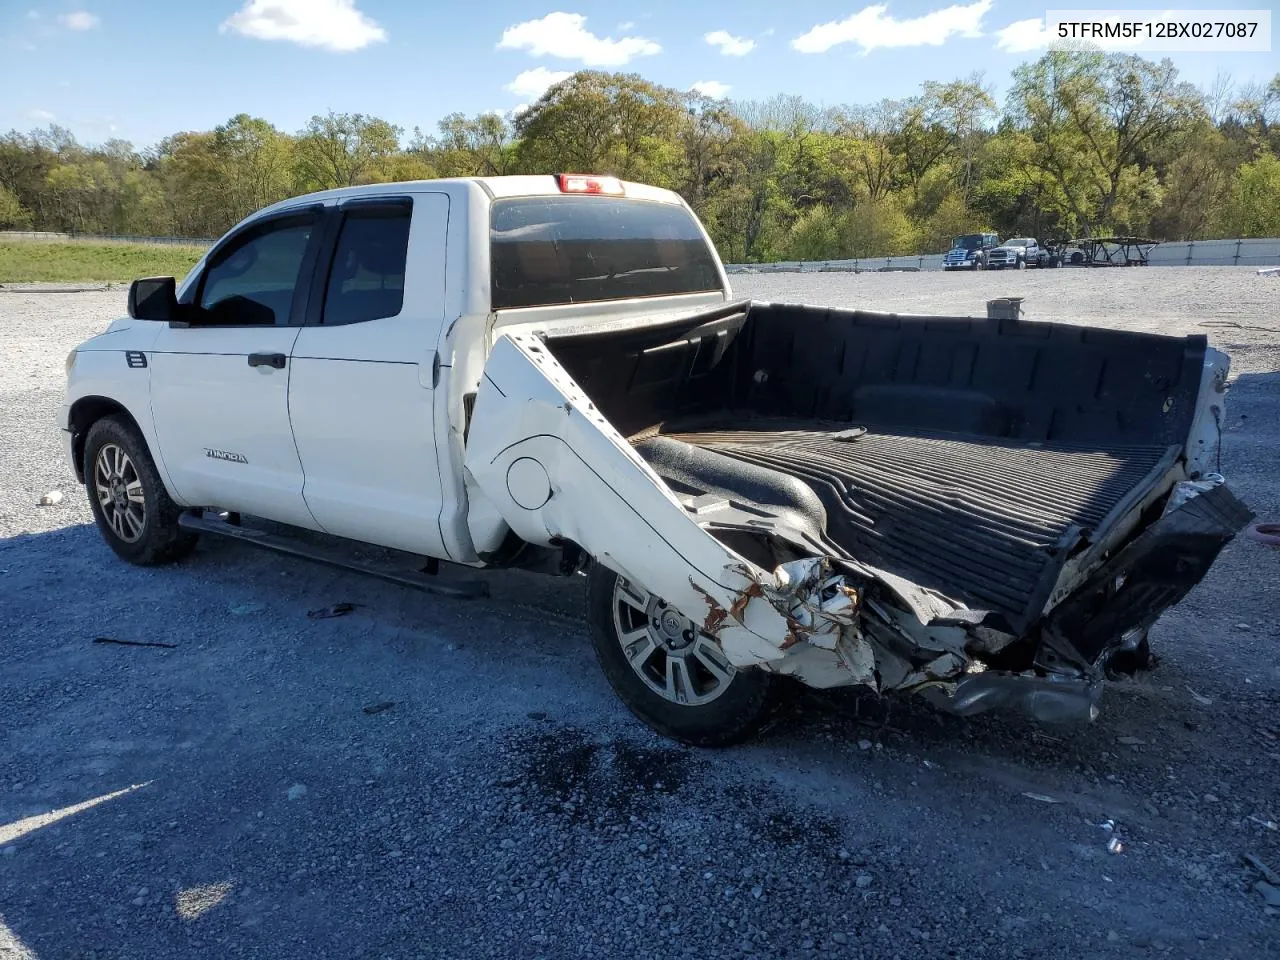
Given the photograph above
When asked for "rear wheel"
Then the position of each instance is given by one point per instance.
(134, 512)
(671, 674)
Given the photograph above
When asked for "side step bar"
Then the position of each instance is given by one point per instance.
(198, 522)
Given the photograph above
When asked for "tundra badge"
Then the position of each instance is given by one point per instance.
(225, 455)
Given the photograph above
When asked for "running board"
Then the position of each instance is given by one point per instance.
(197, 522)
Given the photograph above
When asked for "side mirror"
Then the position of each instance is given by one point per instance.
(155, 298)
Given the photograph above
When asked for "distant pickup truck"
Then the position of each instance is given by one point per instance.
(1018, 254)
(970, 251)
(550, 372)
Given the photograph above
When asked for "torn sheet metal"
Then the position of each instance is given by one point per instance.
(542, 458)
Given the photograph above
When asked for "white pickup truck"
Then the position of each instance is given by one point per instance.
(1017, 254)
(550, 372)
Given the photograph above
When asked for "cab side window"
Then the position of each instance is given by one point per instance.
(252, 282)
(366, 279)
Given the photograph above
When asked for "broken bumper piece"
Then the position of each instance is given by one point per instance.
(1047, 699)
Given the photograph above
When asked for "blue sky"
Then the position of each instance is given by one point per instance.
(142, 69)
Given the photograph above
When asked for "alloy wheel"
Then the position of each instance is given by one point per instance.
(675, 659)
(119, 491)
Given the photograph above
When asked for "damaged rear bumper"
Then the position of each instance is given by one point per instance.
(543, 461)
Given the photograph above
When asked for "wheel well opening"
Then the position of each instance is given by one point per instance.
(85, 412)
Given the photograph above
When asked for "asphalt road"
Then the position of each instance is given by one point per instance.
(444, 778)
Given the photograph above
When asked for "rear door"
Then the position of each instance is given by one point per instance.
(364, 370)
(220, 386)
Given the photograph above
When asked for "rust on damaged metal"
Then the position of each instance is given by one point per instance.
(745, 597)
(716, 614)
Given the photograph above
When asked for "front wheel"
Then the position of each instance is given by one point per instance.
(134, 512)
(671, 674)
(1022, 264)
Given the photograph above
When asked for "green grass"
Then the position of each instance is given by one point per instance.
(75, 261)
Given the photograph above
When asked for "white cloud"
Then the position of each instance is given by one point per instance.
(329, 24)
(730, 45)
(534, 83)
(78, 20)
(873, 27)
(44, 116)
(33, 14)
(566, 36)
(626, 25)
(1023, 35)
(711, 88)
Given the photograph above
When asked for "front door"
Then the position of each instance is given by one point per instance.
(220, 386)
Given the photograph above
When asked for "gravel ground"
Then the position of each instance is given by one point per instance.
(249, 793)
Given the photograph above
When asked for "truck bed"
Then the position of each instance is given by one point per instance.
(969, 456)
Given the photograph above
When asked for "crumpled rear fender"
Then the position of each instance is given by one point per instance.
(540, 455)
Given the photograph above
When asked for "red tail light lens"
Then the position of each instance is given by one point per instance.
(584, 183)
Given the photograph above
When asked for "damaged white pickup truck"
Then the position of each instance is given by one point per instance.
(550, 372)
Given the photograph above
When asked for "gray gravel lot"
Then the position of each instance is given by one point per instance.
(231, 796)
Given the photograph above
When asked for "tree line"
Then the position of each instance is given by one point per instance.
(1085, 143)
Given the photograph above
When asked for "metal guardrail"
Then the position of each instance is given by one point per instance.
(41, 236)
(1263, 252)
(1179, 253)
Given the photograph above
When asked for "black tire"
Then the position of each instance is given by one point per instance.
(735, 715)
(159, 539)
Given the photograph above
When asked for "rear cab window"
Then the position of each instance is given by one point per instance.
(554, 250)
(366, 277)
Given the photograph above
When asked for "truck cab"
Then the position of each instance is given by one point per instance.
(551, 372)
(969, 252)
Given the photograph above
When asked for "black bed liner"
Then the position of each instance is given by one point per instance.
(993, 446)
(989, 524)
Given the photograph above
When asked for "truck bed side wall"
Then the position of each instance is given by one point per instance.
(1019, 380)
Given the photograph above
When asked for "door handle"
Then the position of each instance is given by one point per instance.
(274, 360)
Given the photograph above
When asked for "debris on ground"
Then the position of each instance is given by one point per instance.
(136, 643)
(1041, 797)
(1270, 892)
(296, 792)
(333, 610)
(50, 499)
(1268, 874)
(1264, 533)
(1200, 698)
(380, 707)
(1115, 846)
(243, 609)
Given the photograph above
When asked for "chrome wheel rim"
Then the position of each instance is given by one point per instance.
(119, 491)
(676, 660)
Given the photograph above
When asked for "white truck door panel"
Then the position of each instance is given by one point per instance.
(220, 386)
(361, 393)
(223, 425)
